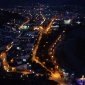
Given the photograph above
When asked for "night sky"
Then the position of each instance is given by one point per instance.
(10, 3)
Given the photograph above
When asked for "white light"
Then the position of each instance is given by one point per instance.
(12, 42)
(30, 70)
(33, 72)
(24, 27)
(8, 23)
(82, 76)
(19, 31)
(67, 21)
(21, 76)
(30, 65)
(32, 49)
(18, 48)
(37, 74)
(24, 60)
(72, 74)
(56, 26)
(33, 37)
(17, 55)
(54, 43)
(1, 9)
(7, 70)
(78, 22)
(23, 50)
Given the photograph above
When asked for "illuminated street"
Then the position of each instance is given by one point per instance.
(41, 43)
